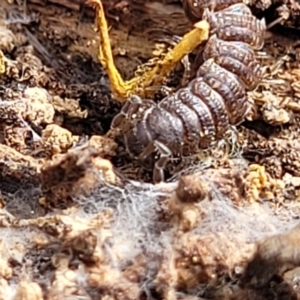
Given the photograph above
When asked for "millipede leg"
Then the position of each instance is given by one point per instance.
(234, 142)
(187, 71)
(165, 154)
(138, 85)
(163, 89)
(147, 151)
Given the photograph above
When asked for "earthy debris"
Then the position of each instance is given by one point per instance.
(274, 256)
(28, 290)
(190, 190)
(78, 219)
(78, 172)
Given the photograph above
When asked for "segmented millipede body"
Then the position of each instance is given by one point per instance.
(202, 113)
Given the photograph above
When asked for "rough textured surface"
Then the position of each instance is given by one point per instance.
(78, 221)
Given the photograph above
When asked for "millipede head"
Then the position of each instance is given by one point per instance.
(131, 112)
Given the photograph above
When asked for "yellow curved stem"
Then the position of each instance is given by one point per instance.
(137, 85)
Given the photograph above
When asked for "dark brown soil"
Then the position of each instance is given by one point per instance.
(69, 210)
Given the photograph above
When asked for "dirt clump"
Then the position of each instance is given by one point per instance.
(80, 219)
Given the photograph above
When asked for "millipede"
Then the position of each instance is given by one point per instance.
(202, 113)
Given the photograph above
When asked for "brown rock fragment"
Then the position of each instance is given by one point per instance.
(28, 291)
(275, 116)
(5, 270)
(17, 170)
(68, 107)
(106, 146)
(58, 139)
(274, 255)
(77, 172)
(191, 189)
(39, 109)
(112, 281)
